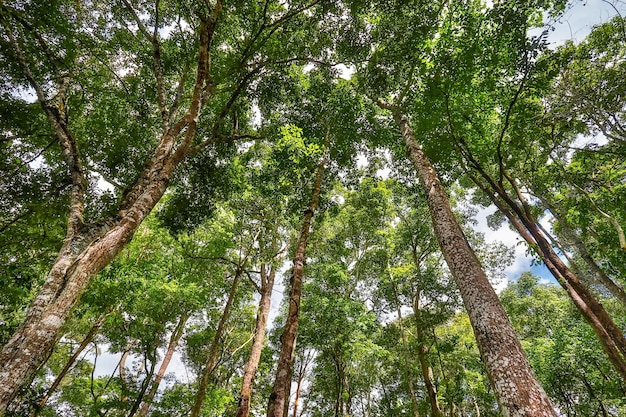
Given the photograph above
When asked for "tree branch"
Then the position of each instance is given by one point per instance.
(611, 219)
(69, 148)
(156, 55)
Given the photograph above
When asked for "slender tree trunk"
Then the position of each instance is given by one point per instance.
(267, 285)
(301, 373)
(282, 381)
(427, 371)
(580, 246)
(340, 380)
(87, 249)
(610, 336)
(593, 396)
(86, 341)
(518, 392)
(214, 350)
(476, 407)
(169, 353)
(405, 351)
(144, 385)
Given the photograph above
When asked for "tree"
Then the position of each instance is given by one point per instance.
(562, 349)
(497, 148)
(178, 106)
(279, 396)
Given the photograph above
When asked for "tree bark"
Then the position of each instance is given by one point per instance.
(518, 392)
(610, 336)
(405, 350)
(213, 356)
(87, 249)
(282, 380)
(267, 285)
(171, 347)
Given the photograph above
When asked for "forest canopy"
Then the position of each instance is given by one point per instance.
(234, 208)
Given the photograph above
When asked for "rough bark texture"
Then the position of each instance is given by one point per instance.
(89, 248)
(214, 350)
(518, 392)
(282, 381)
(169, 353)
(267, 285)
(610, 336)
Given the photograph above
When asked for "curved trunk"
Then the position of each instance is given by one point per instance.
(88, 249)
(282, 381)
(584, 254)
(267, 284)
(518, 392)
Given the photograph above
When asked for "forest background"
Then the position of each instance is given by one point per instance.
(165, 163)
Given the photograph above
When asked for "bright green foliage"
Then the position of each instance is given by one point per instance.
(563, 350)
(463, 376)
(480, 94)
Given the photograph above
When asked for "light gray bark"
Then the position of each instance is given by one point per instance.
(516, 387)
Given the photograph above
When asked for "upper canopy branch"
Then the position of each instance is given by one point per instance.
(56, 115)
(153, 38)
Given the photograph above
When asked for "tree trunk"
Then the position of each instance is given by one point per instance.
(518, 392)
(86, 341)
(301, 373)
(87, 249)
(171, 347)
(282, 381)
(214, 350)
(340, 383)
(144, 385)
(580, 246)
(427, 371)
(609, 335)
(405, 350)
(267, 285)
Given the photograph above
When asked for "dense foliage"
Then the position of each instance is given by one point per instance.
(197, 132)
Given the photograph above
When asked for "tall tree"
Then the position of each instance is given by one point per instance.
(282, 382)
(498, 149)
(516, 387)
(143, 53)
